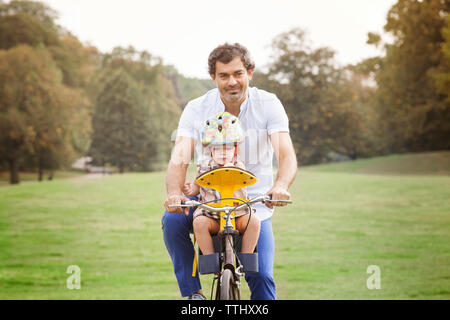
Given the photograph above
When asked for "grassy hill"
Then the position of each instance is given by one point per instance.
(428, 163)
(345, 217)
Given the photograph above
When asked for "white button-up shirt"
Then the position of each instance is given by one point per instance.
(261, 114)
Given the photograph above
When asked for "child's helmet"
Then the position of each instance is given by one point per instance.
(223, 128)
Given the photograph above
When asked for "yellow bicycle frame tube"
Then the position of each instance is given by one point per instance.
(226, 181)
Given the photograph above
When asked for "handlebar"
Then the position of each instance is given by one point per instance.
(193, 203)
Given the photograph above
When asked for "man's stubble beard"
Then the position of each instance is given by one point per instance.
(233, 98)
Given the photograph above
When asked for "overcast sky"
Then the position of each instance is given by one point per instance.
(183, 33)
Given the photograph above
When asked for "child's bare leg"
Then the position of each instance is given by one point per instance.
(203, 227)
(251, 235)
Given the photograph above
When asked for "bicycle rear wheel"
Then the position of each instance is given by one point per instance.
(228, 287)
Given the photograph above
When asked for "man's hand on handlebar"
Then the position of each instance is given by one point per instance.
(277, 193)
(176, 199)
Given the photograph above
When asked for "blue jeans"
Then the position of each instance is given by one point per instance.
(176, 228)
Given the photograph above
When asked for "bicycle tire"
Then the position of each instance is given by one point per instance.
(228, 290)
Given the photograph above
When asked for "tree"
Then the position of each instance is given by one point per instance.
(413, 113)
(158, 91)
(38, 114)
(186, 88)
(122, 135)
(36, 9)
(327, 107)
(78, 63)
(443, 74)
(22, 28)
(61, 115)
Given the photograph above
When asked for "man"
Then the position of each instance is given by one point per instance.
(267, 131)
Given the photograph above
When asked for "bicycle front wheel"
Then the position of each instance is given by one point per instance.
(228, 288)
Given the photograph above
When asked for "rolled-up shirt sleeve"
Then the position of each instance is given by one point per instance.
(277, 119)
(186, 125)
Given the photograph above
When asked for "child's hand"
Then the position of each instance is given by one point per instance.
(189, 189)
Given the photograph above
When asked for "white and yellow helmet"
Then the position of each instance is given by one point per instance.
(223, 128)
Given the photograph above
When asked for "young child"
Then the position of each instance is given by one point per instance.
(221, 136)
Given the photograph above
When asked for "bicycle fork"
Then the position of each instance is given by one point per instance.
(229, 257)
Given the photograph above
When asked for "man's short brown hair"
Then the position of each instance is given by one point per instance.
(227, 52)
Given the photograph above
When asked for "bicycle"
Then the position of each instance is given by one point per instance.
(227, 263)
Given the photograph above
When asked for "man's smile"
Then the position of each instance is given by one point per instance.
(235, 89)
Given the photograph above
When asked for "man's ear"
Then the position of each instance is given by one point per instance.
(213, 77)
(250, 74)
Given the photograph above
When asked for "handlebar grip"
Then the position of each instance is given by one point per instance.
(285, 201)
(176, 205)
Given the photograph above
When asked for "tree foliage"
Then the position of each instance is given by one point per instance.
(122, 134)
(396, 102)
(36, 9)
(414, 113)
(38, 113)
(45, 115)
(62, 84)
(443, 74)
(60, 98)
(158, 93)
(22, 28)
(326, 105)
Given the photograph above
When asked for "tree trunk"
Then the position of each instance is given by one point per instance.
(40, 169)
(103, 165)
(40, 173)
(13, 171)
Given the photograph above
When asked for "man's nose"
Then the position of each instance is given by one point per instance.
(232, 81)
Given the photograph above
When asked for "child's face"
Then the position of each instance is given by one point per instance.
(222, 154)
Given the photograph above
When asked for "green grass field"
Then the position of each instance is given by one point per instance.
(393, 212)
(33, 176)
